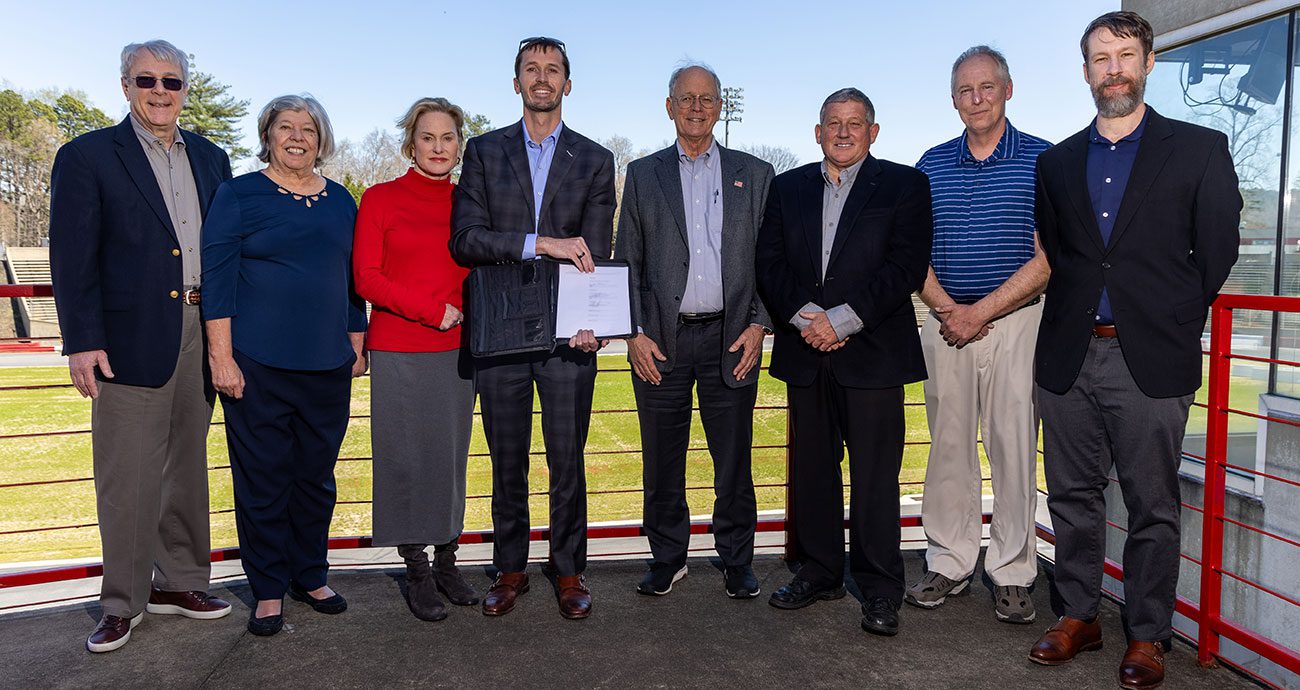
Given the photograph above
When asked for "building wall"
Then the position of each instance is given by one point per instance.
(1166, 16)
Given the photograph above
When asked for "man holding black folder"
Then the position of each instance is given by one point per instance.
(533, 189)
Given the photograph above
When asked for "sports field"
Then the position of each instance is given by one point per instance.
(613, 463)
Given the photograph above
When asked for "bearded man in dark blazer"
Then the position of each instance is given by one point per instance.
(1138, 216)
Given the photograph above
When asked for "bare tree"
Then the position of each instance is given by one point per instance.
(624, 153)
(781, 158)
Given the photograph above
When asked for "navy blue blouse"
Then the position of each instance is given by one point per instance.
(282, 271)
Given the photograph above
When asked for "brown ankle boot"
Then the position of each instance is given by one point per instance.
(421, 589)
(449, 578)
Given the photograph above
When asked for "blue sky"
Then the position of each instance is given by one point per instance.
(368, 61)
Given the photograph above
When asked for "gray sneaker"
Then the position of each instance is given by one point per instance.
(933, 589)
(1013, 604)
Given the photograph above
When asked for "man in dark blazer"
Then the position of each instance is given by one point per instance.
(537, 188)
(1138, 217)
(126, 209)
(687, 231)
(843, 245)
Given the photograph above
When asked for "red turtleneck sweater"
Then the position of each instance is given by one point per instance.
(402, 265)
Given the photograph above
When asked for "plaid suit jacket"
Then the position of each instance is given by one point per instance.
(493, 208)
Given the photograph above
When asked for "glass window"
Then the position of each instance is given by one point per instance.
(1236, 83)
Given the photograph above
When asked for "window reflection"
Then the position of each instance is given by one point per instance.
(1236, 83)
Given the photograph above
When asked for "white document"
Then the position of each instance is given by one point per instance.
(597, 301)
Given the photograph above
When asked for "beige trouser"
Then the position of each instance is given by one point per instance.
(151, 480)
(986, 386)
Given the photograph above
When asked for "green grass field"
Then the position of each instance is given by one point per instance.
(73, 503)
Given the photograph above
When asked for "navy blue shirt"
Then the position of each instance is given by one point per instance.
(983, 212)
(282, 272)
(1109, 165)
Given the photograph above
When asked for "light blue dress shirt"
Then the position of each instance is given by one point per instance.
(539, 167)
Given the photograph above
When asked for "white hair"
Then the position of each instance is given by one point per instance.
(161, 50)
(325, 132)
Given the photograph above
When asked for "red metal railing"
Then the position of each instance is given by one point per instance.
(1212, 626)
(57, 574)
(26, 291)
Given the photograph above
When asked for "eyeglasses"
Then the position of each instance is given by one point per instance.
(686, 101)
(169, 83)
(546, 40)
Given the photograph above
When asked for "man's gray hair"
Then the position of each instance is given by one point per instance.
(993, 54)
(161, 50)
(848, 95)
(684, 67)
(324, 132)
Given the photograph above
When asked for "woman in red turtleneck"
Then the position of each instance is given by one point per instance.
(422, 398)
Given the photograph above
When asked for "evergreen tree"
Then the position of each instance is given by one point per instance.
(75, 117)
(211, 112)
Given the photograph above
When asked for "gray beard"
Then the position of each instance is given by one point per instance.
(1121, 104)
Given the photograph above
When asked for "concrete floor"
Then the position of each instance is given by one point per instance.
(694, 637)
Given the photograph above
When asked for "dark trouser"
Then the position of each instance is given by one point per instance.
(826, 417)
(1105, 420)
(565, 382)
(284, 437)
(151, 480)
(728, 417)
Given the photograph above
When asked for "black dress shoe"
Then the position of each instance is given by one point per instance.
(800, 593)
(740, 582)
(880, 616)
(330, 605)
(264, 627)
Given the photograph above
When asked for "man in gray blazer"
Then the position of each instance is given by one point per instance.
(687, 230)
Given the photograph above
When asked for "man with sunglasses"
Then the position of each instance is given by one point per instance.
(126, 211)
(688, 226)
(537, 188)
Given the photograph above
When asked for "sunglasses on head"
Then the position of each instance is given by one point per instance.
(169, 83)
(529, 42)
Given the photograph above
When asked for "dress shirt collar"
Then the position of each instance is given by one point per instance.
(549, 139)
(1136, 135)
(847, 175)
(708, 157)
(149, 138)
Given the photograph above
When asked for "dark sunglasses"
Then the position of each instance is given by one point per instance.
(169, 83)
(529, 42)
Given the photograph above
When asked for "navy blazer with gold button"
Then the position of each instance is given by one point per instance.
(114, 254)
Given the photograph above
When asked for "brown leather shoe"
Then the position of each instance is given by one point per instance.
(189, 604)
(501, 596)
(111, 633)
(573, 595)
(1064, 640)
(1143, 666)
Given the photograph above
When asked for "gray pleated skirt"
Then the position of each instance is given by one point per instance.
(421, 413)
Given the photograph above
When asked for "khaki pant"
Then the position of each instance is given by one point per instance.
(986, 387)
(151, 480)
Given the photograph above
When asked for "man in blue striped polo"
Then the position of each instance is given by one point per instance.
(987, 272)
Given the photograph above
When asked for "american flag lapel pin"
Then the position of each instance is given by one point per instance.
(740, 184)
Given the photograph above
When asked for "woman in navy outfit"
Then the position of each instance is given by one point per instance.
(286, 335)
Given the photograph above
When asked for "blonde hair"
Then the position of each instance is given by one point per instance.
(418, 110)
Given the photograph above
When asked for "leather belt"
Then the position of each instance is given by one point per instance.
(1106, 330)
(695, 319)
(191, 297)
